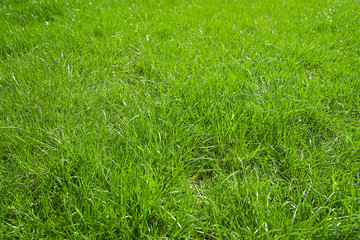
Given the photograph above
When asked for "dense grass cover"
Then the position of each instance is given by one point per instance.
(179, 119)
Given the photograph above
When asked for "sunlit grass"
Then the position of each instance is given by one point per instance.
(180, 120)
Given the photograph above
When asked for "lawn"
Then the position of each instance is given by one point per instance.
(217, 119)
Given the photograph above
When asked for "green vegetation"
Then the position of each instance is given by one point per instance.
(179, 119)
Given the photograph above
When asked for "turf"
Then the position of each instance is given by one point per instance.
(179, 119)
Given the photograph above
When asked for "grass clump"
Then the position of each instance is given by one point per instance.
(180, 120)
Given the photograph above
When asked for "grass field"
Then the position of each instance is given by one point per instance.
(179, 119)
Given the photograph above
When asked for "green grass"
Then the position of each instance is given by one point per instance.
(179, 119)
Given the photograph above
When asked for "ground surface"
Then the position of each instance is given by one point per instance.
(179, 119)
